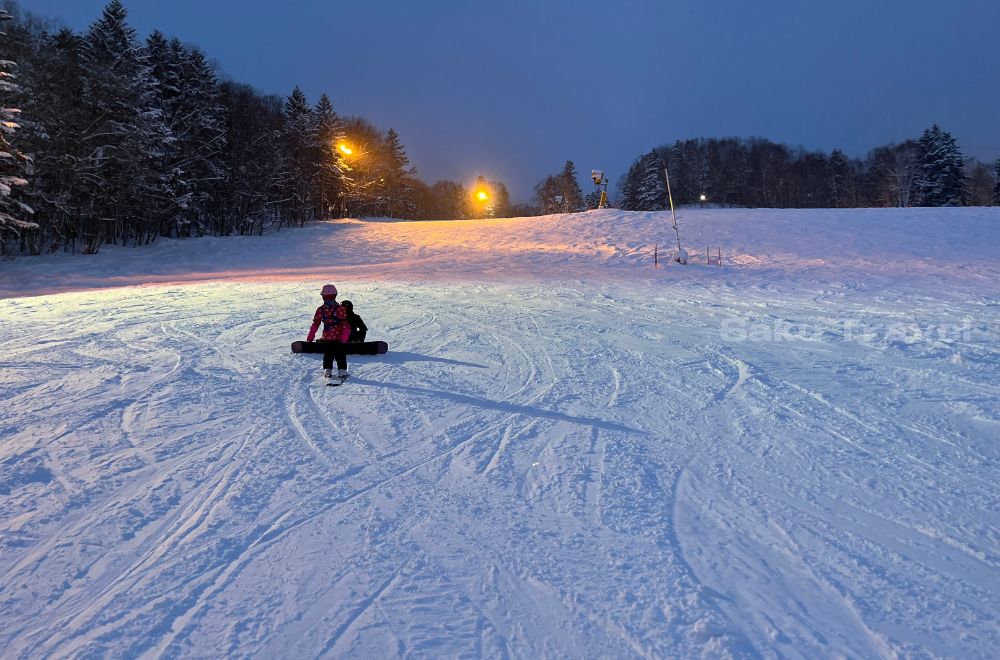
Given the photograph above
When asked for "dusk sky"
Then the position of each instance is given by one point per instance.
(514, 89)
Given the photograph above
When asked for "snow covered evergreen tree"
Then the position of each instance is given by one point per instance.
(627, 186)
(127, 134)
(14, 165)
(644, 188)
(397, 186)
(330, 167)
(651, 190)
(570, 189)
(299, 142)
(202, 137)
(940, 179)
(187, 92)
(53, 130)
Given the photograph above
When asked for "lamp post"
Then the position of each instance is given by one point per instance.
(601, 182)
(346, 153)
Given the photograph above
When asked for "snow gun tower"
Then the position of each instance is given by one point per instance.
(681, 256)
(601, 183)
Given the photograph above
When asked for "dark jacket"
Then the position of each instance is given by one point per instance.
(358, 327)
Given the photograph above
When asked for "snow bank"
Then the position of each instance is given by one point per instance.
(823, 246)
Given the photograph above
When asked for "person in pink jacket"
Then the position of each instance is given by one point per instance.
(336, 332)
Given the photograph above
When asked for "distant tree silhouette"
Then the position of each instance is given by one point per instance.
(940, 179)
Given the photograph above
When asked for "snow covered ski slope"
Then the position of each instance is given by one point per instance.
(565, 452)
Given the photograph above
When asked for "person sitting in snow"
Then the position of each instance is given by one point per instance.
(336, 332)
(358, 328)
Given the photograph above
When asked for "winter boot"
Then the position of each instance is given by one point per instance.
(342, 374)
(328, 373)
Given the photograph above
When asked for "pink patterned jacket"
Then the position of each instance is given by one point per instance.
(334, 320)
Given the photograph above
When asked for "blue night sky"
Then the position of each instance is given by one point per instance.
(513, 89)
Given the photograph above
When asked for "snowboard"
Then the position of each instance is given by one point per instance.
(354, 348)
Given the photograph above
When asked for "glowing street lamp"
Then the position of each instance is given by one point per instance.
(481, 200)
(350, 188)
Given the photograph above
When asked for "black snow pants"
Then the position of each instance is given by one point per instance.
(331, 350)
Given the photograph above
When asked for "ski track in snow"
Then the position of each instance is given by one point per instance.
(548, 467)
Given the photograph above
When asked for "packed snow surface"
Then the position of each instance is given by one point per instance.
(566, 452)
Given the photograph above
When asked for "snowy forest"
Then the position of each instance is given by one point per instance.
(109, 140)
(929, 171)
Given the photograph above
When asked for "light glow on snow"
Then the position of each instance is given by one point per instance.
(565, 452)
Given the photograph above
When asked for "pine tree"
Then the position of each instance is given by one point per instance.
(127, 133)
(164, 67)
(187, 93)
(628, 186)
(202, 136)
(13, 163)
(299, 141)
(570, 189)
(940, 177)
(651, 193)
(52, 95)
(398, 188)
(330, 167)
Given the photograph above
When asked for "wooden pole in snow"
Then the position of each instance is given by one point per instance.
(673, 215)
